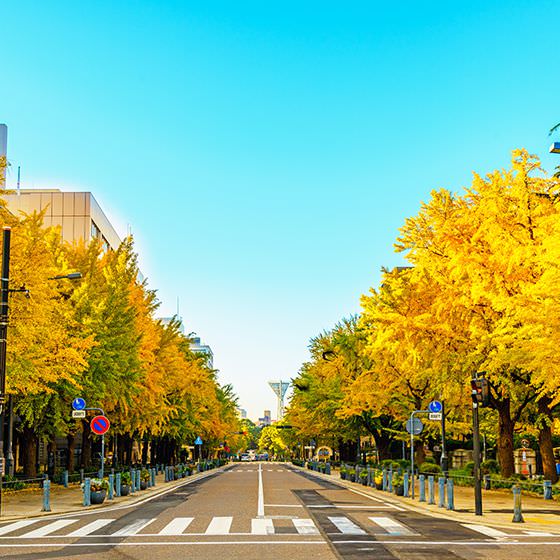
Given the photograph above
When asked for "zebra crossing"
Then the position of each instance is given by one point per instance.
(179, 526)
(221, 525)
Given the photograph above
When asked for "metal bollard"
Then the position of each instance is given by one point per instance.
(132, 481)
(369, 476)
(450, 494)
(87, 492)
(422, 484)
(111, 486)
(405, 485)
(153, 477)
(486, 481)
(65, 479)
(385, 483)
(431, 493)
(328, 468)
(547, 484)
(391, 480)
(517, 514)
(81, 475)
(46, 495)
(118, 485)
(441, 484)
(137, 479)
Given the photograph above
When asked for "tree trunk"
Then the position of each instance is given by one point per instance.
(419, 452)
(71, 439)
(505, 438)
(545, 440)
(29, 451)
(86, 445)
(145, 447)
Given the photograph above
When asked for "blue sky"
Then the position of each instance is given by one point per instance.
(265, 154)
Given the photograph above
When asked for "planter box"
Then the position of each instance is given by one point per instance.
(125, 489)
(399, 490)
(143, 485)
(98, 497)
(379, 485)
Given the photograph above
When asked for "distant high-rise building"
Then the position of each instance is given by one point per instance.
(198, 348)
(266, 420)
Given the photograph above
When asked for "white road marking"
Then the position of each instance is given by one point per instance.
(262, 527)
(488, 531)
(538, 534)
(133, 528)
(305, 526)
(17, 525)
(176, 526)
(90, 527)
(344, 525)
(284, 505)
(50, 528)
(327, 506)
(219, 526)
(260, 505)
(391, 526)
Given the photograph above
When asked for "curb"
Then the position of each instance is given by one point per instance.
(449, 514)
(131, 501)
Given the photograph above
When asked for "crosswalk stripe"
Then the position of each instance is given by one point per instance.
(391, 526)
(17, 525)
(219, 526)
(90, 527)
(344, 525)
(133, 528)
(488, 531)
(50, 528)
(262, 527)
(538, 534)
(176, 526)
(305, 526)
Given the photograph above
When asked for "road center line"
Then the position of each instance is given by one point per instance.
(260, 506)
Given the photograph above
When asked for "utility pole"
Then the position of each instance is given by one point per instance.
(4, 297)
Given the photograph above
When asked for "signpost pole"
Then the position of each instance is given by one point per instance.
(102, 469)
(412, 454)
(476, 457)
(443, 460)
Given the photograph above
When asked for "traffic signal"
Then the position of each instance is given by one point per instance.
(480, 391)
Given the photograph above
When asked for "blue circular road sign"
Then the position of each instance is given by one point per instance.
(435, 406)
(78, 404)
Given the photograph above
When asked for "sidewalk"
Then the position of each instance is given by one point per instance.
(28, 503)
(497, 505)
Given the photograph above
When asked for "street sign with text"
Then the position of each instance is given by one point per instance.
(78, 414)
(434, 416)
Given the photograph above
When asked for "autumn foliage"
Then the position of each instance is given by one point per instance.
(479, 293)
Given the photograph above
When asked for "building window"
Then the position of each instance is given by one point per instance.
(95, 231)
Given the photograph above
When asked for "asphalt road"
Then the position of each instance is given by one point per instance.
(263, 511)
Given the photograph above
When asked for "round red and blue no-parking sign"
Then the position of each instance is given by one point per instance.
(99, 425)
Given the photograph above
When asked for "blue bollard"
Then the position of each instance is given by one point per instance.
(46, 495)
(137, 479)
(152, 477)
(385, 484)
(441, 484)
(422, 484)
(111, 486)
(517, 513)
(391, 480)
(118, 485)
(132, 481)
(87, 492)
(405, 484)
(328, 468)
(431, 493)
(65, 479)
(547, 484)
(450, 494)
